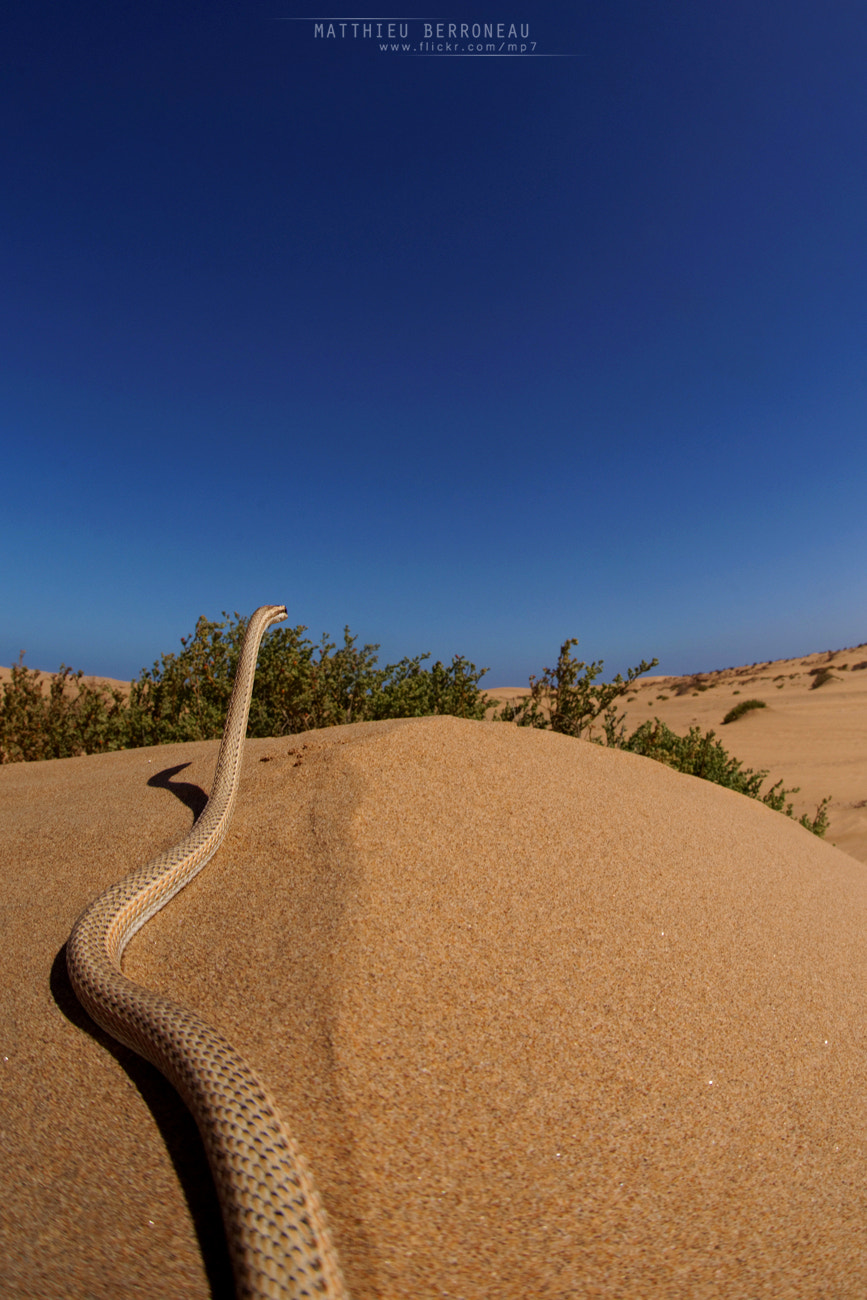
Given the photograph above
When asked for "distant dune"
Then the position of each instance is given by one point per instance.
(812, 738)
(45, 678)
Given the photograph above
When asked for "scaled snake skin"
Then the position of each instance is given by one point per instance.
(276, 1227)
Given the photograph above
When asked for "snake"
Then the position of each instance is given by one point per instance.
(277, 1231)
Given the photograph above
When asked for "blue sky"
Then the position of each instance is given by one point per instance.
(470, 353)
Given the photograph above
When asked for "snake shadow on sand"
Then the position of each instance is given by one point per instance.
(174, 1121)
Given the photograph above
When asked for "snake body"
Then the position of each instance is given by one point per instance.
(276, 1227)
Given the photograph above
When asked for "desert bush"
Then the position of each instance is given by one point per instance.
(740, 709)
(22, 718)
(298, 685)
(702, 755)
(565, 699)
(185, 695)
(697, 754)
(694, 683)
(818, 824)
(409, 691)
(75, 717)
(820, 676)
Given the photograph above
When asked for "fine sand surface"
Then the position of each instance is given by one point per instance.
(812, 738)
(549, 1020)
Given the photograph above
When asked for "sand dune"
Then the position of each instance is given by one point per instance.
(812, 738)
(113, 683)
(549, 1020)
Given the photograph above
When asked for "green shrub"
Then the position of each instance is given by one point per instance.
(75, 717)
(744, 707)
(565, 699)
(185, 695)
(820, 676)
(697, 754)
(298, 686)
(700, 754)
(819, 823)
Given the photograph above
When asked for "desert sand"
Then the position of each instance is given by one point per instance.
(812, 738)
(113, 683)
(548, 1020)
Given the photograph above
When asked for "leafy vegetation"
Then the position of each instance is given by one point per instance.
(75, 717)
(185, 696)
(740, 709)
(300, 686)
(565, 699)
(700, 754)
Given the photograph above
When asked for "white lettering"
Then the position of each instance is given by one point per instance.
(331, 29)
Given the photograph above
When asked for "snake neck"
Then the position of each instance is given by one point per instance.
(110, 922)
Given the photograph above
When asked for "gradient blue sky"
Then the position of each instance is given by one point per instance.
(473, 354)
